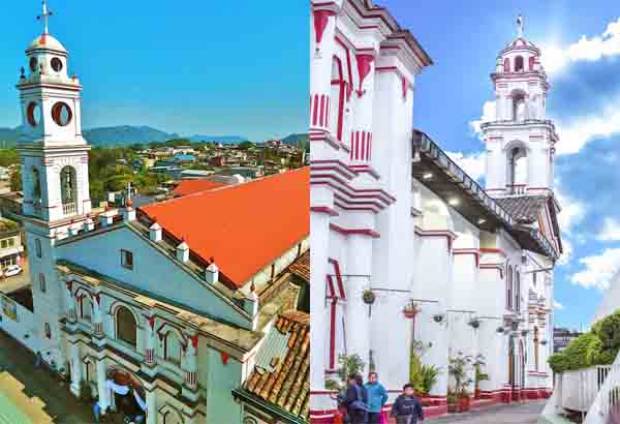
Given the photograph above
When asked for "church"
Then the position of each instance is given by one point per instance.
(410, 253)
(172, 301)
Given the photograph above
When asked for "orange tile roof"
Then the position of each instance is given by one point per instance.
(244, 227)
(301, 267)
(287, 386)
(186, 187)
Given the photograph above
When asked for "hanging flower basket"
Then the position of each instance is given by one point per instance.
(474, 323)
(500, 330)
(514, 326)
(524, 333)
(438, 318)
(543, 342)
(369, 297)
(411, 310)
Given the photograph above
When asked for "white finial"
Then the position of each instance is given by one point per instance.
(520, 26)
(45, 17)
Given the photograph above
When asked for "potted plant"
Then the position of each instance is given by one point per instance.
(500, 330)
(474, 323)
(411, 309)
(459, 369)
(438, 318)
(479, 375)
(369, 297)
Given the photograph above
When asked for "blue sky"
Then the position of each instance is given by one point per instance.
(582, 55)
(191, 67)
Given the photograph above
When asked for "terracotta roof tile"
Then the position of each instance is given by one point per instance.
(301, 267)
(523, 208)
(287, 385)
(243, 227)
(186, 187)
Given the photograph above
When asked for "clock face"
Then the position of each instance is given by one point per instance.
(33, 64)
(33, 114)
(62, 114)
(56, 64)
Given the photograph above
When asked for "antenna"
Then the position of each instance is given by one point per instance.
(44, 16)
(520, 25)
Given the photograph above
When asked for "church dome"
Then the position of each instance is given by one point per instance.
(46, 41)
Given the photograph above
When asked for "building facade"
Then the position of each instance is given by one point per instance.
(407, 248)
(166, 305)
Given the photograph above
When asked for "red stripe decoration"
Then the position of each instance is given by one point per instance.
(315, 109)
(322, 114)
(361, 146)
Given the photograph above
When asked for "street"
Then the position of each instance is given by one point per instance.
(521, 413)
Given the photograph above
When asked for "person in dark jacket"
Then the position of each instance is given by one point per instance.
(356, 400)
(407, 409)
(377, 396)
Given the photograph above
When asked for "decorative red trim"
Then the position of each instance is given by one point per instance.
(449, 235)
(499, 267)
(194, 340)
(321, 18)
(354, 231)
(364, 64)
(324, 209)
(332, 334)
(492, 250)
(224, 357)
(151, 321)
(474, 252)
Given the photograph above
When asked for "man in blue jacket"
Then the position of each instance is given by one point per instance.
(377, 396)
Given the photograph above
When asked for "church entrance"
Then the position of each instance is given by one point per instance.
(128, 395)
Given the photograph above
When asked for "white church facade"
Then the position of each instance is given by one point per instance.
(172, 300)
(406, 247)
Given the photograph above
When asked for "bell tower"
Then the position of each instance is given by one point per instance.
(54, 164)
(54, 154)
(520, 142)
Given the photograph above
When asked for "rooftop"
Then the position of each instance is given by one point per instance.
(243, 227)
(186, 187)
(280, 376)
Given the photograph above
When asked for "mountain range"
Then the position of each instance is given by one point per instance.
(123, 135)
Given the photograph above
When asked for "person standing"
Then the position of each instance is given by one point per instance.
(407, 409)
(377, 397)
(356, 400)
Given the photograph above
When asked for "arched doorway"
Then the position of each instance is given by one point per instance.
(128, 396)
(511, 362)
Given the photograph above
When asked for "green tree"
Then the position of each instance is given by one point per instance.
(16, 179)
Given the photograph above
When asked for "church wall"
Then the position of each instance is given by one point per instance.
(151, 274)
(221, 380)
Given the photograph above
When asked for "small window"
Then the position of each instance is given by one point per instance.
(11, 242)
(172, 348)
(42, 285)
(37, 247)
(126, 259)
(4, 243)
(86, 308)
(126, 327)
(48, 331)
(519, 64)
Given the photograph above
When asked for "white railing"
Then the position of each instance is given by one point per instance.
(69, 208)
(576, 390)
(517, 189)
(605, 407)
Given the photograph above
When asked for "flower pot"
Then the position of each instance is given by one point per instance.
(452, 407)
(463, 404)
(410, 313)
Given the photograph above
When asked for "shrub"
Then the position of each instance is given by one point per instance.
(582, 352)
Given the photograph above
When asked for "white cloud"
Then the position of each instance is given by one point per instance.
(598, 269)
(488, 115)
(572, 214)
(577, 132)
(557, 305)
(607, 44)
(472, 163)
(610, 230)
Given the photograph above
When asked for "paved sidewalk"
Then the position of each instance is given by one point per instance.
(31, 394)
(519, 413)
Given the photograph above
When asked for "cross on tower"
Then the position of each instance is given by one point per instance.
(45, 17)
(520, 25)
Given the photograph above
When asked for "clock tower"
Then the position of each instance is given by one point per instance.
(54, 166)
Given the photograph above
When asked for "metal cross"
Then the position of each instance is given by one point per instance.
(45, 17)
(520, 25)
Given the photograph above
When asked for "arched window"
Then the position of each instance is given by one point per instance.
(506, 65)
(126, 328)
(517, 290)
(519, 64)
(517, 170)
(170, 416)
(518, 107)
(48, 330)
(42, 285)
(68, 190)
(86, 308)
(172, 347)
(509, 288)
(36, 186)
(531, 61)
(536, 348)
